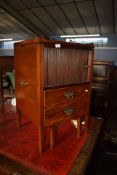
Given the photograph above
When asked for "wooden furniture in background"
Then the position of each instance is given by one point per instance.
(102, 71)
(53, 84)
(6, 63)
(1, 93)
(113, 93)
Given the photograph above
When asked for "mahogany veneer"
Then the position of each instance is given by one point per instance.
(53, 83)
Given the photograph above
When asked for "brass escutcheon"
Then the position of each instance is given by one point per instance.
(69, 94)
(69, 110)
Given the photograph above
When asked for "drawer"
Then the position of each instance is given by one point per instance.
(64, 112)
(67, 94)
(82, 107)
(83, 91)
(59, 113)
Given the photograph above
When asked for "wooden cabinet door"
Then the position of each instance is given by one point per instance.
(29, 73)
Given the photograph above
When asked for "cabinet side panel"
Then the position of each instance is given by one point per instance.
(27, 76)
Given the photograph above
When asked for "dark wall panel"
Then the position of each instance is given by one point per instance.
(106, 54)
(88, 13)
(105, 13)
(60, 19)
(41, 13)
(71, 12)
(6, 63)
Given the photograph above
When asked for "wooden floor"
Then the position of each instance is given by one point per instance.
(8, 166)
(11, 167)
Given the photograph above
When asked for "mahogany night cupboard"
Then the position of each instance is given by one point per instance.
(53, 84)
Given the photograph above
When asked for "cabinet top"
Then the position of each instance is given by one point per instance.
(55, 44)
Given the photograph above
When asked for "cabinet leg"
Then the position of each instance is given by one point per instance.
(19, 119)
(78, 128)
(2, 107)
(52, 136)
(41, 143)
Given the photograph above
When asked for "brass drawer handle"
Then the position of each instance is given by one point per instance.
(69, 110)
(69, 94)
(86, 90)
(24, 83)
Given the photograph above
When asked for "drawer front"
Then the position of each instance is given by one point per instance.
(83, 92)
(82, 107)
(59, 113)
(64, 112)
(65, 95)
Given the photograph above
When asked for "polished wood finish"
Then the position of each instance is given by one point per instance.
(29, 73)
(58, 95)
(52, 84)
(52, 136)
(59, 71)
(60, 100)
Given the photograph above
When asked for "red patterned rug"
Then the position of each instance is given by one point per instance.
(21, 145)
